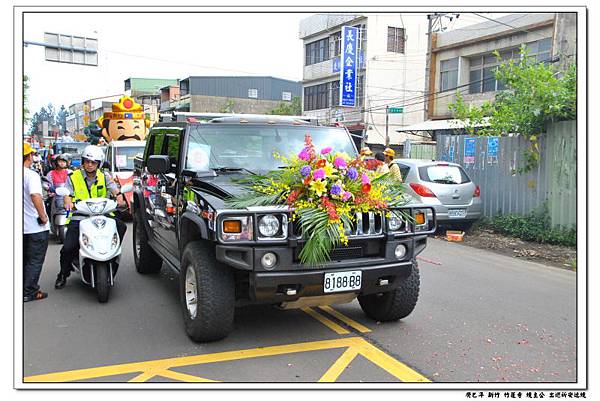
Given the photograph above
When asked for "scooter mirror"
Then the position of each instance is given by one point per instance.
(126, 188)
(62, 191)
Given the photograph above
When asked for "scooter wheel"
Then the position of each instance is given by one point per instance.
(102, 281)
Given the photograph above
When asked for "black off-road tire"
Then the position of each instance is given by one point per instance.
(215, 293)
(396, 304)
(146, 260)
(102, 277)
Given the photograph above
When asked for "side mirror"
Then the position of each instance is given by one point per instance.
(62, 191)
(126, 188)
(159, 164)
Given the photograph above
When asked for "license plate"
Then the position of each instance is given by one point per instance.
(342, 281)
(457, 213)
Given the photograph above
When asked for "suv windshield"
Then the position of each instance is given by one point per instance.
(124, 157)
(252, 147)
(443, 174)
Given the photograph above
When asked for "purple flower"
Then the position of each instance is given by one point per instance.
(346, 196)
(318, 174)
(365, 179)
(336, 190)
(305, 171)
(324, 151)
(339, 162)
(352, 173)
(303, 155)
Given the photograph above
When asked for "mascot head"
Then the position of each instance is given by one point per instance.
(126, 122)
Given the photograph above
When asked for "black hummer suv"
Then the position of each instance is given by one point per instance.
(230, 257)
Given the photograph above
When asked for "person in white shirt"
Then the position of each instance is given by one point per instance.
(35, 229)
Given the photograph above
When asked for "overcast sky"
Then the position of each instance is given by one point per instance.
(164, 45)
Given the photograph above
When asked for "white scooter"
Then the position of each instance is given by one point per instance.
(58, 214)
(99, 243)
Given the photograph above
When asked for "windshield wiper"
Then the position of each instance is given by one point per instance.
(225, 169)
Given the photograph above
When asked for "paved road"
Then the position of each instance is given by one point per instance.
(481, 317)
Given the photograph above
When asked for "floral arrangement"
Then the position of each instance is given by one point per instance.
(325, 190)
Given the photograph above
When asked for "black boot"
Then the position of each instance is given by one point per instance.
(61, 281)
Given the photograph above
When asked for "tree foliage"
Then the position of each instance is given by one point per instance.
(25, 99)
(47, 113)
(61, 118)
(288, 109)
(536, 94)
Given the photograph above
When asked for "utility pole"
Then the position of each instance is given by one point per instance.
(435, 24)
(387, 121)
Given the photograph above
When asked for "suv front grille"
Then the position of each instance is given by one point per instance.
(369, 223)
(356, 249)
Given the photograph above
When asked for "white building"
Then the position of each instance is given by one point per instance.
(392, 48)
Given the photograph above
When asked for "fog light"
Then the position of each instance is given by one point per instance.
(268, 260)
(400, 251)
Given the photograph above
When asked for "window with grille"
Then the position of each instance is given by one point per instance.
(317, 52)
(449, 74)
(316, 97)
(395, 41)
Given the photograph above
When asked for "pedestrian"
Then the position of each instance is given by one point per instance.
(35, 229)
(382, 168)
(87, 182)
(389, 160)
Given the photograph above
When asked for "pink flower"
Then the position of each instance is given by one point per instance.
(303, 155)
(324, 151)
(339, 162)
(365, 179)
(346, 196)
(318, 174)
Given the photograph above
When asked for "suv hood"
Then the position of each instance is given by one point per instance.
(222, 186)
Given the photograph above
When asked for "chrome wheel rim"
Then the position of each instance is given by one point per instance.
(191, 292)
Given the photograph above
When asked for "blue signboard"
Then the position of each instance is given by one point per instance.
(492, 146)
(336, 62)
(469, 150)
(349, 58)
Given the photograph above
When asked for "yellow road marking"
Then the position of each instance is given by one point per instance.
(338, 367)
(327, 322)
(352, 323)
(143, 377)
(184, 377)
(148, 369)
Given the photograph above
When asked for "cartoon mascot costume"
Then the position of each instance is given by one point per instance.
(126, 122)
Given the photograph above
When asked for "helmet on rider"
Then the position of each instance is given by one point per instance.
(92, 153)
(64, 157)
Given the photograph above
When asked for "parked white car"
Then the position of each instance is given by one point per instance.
(445, 186)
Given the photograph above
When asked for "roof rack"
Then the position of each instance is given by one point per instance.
(230, 117)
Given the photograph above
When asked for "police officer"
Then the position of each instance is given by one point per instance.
(87, 182)
(389, 154)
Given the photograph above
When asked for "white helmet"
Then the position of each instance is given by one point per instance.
(93, 152)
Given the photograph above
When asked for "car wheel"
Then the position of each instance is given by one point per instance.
(396, 304)
(207, 293)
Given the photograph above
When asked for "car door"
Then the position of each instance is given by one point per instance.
(152, 184)
(170, 193)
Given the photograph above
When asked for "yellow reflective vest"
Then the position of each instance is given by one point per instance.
(80, 189)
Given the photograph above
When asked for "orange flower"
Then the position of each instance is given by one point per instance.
(366, 188)
(306, 181)
(321, 163)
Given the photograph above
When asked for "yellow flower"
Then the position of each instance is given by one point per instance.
(329, 170)
(319, 186)
(343, 155)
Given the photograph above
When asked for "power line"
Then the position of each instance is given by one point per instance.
(511, 26)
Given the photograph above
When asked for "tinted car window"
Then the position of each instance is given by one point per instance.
(404, 169)
(443, 174)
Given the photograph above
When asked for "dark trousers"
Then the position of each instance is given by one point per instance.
(70, 249)
(34, 253)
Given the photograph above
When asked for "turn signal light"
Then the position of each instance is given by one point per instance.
(420, 218)
(422, 190)
(232, 226)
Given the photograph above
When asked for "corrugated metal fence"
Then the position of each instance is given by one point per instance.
(491, 163)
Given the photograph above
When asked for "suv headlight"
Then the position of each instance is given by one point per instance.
(268, 225)
(236, 228)
(395, 222)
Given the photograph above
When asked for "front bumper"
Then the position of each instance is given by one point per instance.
(273, 285)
